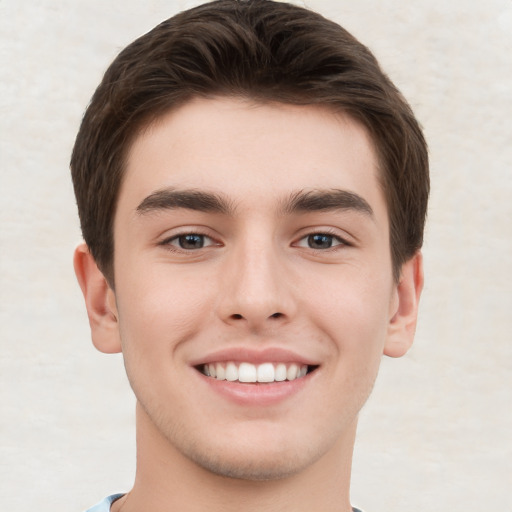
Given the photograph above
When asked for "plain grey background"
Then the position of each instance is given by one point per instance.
(435, 436)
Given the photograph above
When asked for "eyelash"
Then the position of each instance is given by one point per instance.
(168, 242)
(340, 242)
(179, 239)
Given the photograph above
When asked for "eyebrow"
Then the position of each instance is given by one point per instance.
(298, 202)
(326, 200)
(169, 199)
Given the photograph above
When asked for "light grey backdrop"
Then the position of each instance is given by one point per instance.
(436, 435)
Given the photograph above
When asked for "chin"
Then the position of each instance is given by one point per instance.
(256, 454)
(257, 467)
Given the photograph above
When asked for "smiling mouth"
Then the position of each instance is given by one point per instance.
(252, 373)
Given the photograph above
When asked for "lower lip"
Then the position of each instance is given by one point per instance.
(257, 393)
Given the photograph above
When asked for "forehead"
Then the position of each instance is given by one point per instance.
(251, 152)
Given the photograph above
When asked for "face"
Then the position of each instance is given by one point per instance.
(254, 290)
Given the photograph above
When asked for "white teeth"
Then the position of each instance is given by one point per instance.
(266, 372)
(221, 372)
(231, 372)
(280, 373)
(247, 372)
(292, 372)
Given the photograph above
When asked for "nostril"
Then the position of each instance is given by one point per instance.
(238, 316)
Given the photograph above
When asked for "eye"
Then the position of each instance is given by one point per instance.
(189, 241)
(321, 241)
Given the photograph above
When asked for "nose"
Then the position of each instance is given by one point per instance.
(255, 289)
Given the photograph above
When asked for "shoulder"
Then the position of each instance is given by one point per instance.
(104, 505)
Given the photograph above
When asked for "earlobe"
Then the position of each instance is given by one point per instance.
(99, 301)
(402, 324)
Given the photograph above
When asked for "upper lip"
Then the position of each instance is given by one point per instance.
(250, 355)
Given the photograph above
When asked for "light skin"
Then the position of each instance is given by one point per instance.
(249, 233)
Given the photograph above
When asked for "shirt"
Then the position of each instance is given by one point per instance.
(104, 505)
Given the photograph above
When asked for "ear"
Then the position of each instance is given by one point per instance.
(100, 302)
(404, 314)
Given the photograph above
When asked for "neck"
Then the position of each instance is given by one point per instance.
(167, 481)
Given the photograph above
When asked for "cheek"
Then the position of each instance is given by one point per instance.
(159, 310)
(157, 316)
(354, 311)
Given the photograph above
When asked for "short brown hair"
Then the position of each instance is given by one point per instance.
(265, 51)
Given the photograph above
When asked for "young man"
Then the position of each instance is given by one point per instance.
(252, 193)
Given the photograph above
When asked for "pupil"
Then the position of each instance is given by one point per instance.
(191, 241)
(320, 241)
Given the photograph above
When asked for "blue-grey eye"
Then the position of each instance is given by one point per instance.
(191, 241)
(320, 241)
